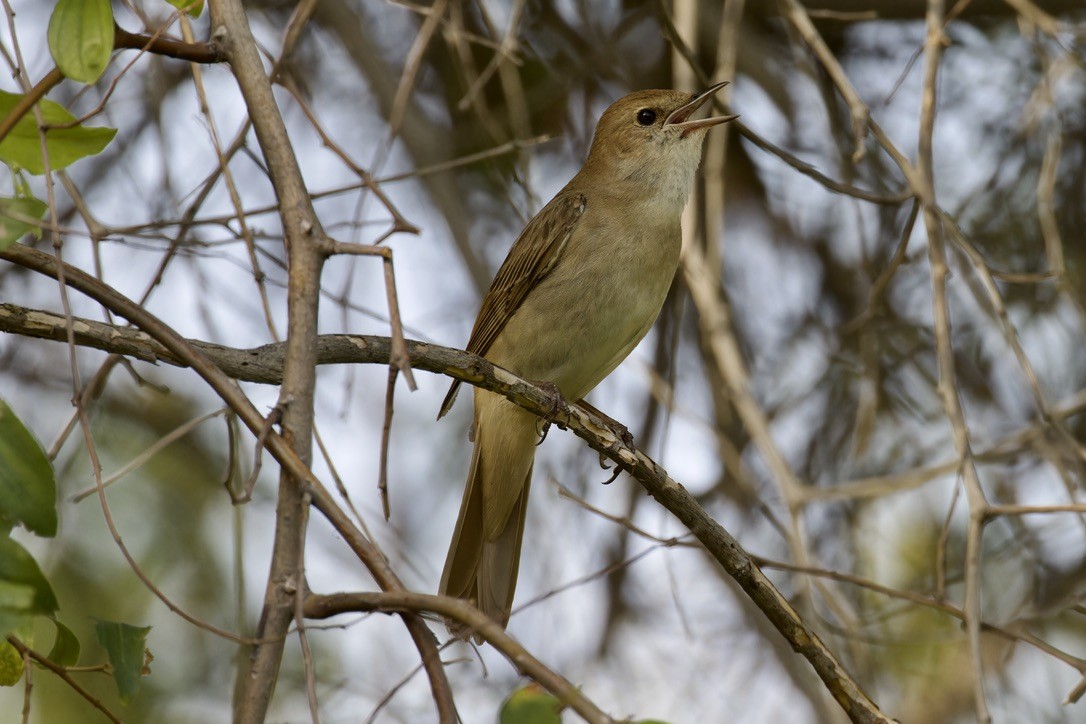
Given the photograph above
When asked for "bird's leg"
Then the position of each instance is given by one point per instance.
(558, 405)
(621, 431)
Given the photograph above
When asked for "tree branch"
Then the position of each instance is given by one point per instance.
(305, 260)
(478, 371)
(170, 47)
(475, 621)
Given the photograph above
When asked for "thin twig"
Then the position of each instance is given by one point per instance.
(193, 52)
(386, 437)
(797, 15)
(158, 446)
(299, 619)
(62, 674)
(412, 64)
(400, 359)
(231, 187)
(948, 385)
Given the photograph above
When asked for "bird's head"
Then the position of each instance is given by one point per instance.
(649, 138)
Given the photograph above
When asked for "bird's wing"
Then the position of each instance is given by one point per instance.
(532, 256)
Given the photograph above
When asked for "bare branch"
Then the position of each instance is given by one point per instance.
(475, 623)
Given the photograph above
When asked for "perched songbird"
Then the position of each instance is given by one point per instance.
(581, 286)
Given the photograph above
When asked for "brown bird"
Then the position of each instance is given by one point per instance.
(581, 286)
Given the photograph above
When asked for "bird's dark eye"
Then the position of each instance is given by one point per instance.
(646, 116)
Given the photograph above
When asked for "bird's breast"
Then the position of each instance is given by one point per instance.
(599, 300)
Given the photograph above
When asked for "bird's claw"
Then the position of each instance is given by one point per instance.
(617, 471)
(544, 427)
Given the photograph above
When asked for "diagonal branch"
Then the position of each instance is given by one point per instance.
(477, 371)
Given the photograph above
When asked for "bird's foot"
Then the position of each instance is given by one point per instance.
(558, 407)
(615, 474)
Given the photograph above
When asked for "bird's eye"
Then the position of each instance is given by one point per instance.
(646, 116)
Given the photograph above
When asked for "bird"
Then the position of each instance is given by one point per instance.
(580, 287)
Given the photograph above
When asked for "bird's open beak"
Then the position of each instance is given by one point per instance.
(679, 117)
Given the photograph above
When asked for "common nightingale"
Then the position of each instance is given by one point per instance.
(580, 287)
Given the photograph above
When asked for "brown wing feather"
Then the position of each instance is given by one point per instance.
(532, 256)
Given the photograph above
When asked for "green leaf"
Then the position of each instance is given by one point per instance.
(22, 147)
(192, 7)
(11, 620)
(23, 589)
(65, 651)
(125, 645)
(11, 664)
(531, 704)
(11, 228)
(28, 488)
(81, 38)
(16, 596)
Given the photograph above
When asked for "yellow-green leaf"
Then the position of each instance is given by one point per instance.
(11, 228)
(531, 704)
(11, 664)
(192, 7)
(81, 38)
(22, 147)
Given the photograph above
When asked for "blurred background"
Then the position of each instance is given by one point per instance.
(471, 115)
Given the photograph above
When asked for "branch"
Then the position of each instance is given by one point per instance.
(326, 606)
(204, 53)
(62, 672)
(260, 364)
(264, 365)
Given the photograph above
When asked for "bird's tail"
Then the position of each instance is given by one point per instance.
(484, 556)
